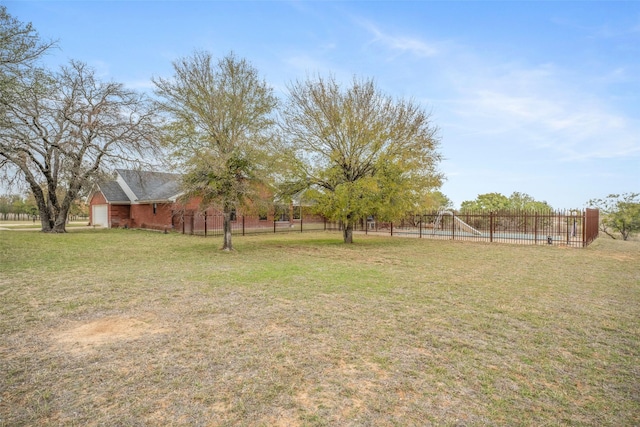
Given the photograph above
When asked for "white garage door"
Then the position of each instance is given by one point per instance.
(100, 216)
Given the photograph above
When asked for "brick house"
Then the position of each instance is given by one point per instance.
(135, 199)
(142, 199)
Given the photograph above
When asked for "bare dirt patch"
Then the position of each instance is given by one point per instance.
(84, 337)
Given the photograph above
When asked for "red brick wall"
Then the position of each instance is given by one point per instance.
(142, 216)
(119, 215)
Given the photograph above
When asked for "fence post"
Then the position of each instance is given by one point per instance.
(420, 225)
(392, 228)
(584, 228)
(535, 229)
(243, 225)
(490, 226)
(205, 223)
(274, 225)
(453, 225)
(301, 219)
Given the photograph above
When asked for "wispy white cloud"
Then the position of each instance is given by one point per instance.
(542, 108)
(141, 85)
(399, 43)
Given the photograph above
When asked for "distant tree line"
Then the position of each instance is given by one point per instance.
(496, 202)
(20, 208)
(15, 207)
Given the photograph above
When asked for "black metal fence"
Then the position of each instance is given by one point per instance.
(211, 225)
(569, 228)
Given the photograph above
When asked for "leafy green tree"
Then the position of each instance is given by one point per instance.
(619, 214)
(5, 206)
(435, 200)
(493, 202)
(496, 202)
(18, 206)
(219, 118)
(362, 152)
(524, 202)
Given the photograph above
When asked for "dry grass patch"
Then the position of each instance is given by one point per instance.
(131, 328)
(83, 336)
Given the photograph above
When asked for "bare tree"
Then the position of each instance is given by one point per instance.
(219, 115)
(20, 45)
(20, 48)
(61, 130)
(363, 152)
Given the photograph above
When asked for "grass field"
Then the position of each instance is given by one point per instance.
(125, 327)
(35, 225)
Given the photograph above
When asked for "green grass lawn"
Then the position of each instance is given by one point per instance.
(125, 327)
(35, 225)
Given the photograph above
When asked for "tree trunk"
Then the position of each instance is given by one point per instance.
(347, 232)
(45, 215)
(60, 225)
(226, 228)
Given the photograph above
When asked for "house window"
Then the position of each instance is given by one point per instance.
(262, 215)
(282, 213)
(155, 208)
(297, 212)
(234, 215)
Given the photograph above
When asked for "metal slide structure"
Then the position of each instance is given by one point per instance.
(463, 225)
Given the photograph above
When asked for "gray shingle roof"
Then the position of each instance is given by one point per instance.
(150, 186)
(113, 192)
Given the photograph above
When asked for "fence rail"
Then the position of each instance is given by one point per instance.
(569, 228)
(211, 225)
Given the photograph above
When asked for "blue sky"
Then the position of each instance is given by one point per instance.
(536, 97)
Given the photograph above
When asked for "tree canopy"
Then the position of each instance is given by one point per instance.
(361, 152)
(219, 114)
(20, 46)
(496, 202)
(620, 214)
(60, 130)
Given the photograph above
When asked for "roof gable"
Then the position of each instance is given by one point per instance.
(141, 186)
(113, 193)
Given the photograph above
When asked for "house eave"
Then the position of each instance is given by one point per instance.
(148, 201)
